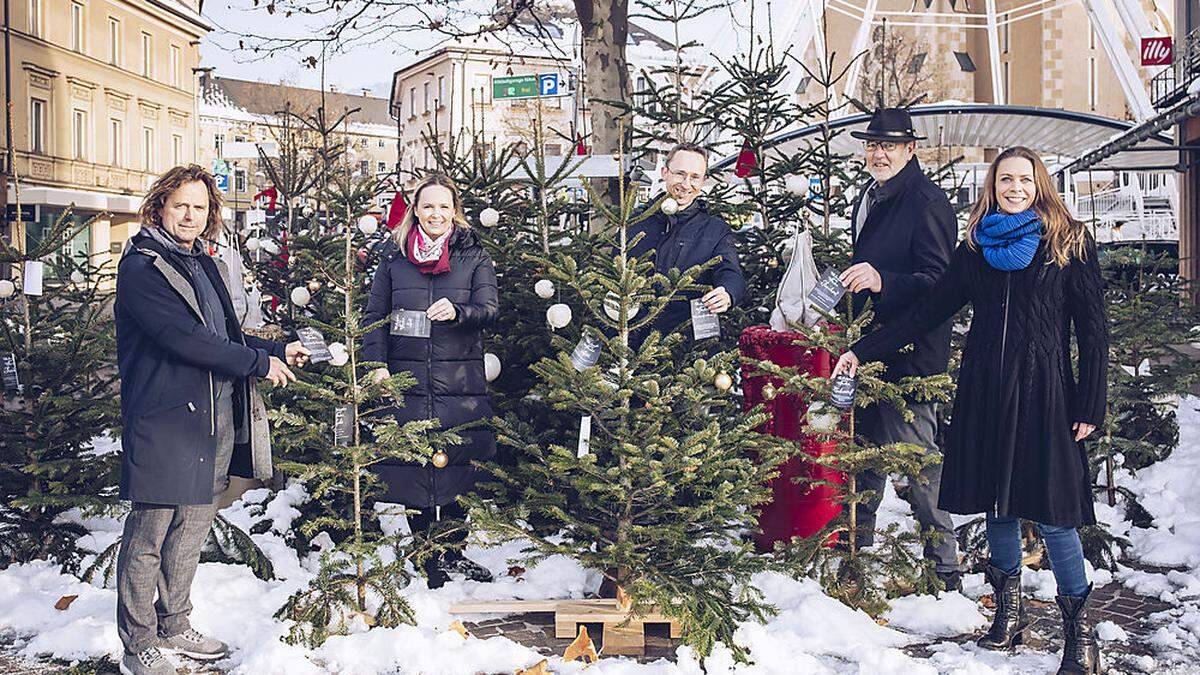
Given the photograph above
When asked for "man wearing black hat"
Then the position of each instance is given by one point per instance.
(903, 231)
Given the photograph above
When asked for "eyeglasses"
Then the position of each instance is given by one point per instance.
(689, 177)
(886, 146)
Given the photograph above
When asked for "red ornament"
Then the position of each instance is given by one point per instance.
(397, 210)
(362, 255)
(747, 162)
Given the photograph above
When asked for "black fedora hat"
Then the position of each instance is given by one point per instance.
(889, 124)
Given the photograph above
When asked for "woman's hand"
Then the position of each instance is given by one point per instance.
(1082, 430)
(847, 363)
(442, 310)
(378, 375)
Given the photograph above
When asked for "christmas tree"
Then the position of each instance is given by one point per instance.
(58, 360)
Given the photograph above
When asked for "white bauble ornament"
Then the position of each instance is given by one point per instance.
(822, 418)
(491, 366)
(253, 244)
(612, 307)
(558, 315)
(270, 246)
(669, 206)
(340, 356)
(7, 288)
(797, 184)
(300, 296)
(544, 289)
(77, 277)
(489, 217)
(368, 224)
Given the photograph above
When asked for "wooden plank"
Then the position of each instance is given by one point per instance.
(624, 639)
(505, 607)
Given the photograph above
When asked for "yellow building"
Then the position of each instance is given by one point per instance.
(103, 100)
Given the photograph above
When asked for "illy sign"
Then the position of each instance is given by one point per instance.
(1156, 51)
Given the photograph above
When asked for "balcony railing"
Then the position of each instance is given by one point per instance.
(1170, 86)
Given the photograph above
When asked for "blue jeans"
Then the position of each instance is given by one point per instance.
(1062, 545)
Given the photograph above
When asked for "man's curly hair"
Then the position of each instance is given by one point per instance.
(150, 213)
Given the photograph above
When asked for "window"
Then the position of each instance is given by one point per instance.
(219, 143)
(116, 141)
(381, 144)
(364, 167)
(639, 92)
(965, 62)
(441, 99)
(114, 41)
(1091, 82)
(176, 149)
(239, 180)
(412, 101)
(173, 66)
(425, 88)
(35, 17)
(802, 86)
(148, 149)
(382, 167)
(77, 26)
(552, 149)
(239, 139)
(79, 136)
(916, 62)
(1004, 33)
(147, 55)
(37, 125)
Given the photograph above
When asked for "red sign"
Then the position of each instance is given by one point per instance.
(1156, 51)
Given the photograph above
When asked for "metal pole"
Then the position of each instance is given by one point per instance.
(8, 135)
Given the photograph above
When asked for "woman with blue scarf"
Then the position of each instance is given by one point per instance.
(1015, 445)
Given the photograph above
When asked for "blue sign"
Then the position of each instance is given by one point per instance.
(548, 84)
(222, 181)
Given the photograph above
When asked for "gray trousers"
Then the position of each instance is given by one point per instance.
(160, 550)
(922, 495)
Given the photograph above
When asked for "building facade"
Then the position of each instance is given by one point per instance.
(103, 100)
(239, 111)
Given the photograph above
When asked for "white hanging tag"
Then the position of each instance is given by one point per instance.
(585, 436)
(33, 277)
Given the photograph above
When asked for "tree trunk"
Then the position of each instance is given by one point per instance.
(605, 28)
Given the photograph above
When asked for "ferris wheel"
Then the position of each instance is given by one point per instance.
(800, 28)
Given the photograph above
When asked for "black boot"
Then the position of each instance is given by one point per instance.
(951, 581)
(1081, 653)
(455, 562)
(435, 575)
(1010, 621)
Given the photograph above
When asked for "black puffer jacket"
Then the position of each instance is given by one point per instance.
(1010, 449)
(448, 366)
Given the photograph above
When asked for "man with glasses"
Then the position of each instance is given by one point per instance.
(903, 230)
(690, 236)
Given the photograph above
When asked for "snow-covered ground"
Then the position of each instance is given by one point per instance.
(812, 633)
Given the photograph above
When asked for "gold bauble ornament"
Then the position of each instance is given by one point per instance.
(440, 459)
(773, 263)
(768, 391)
(723, 381)
(314, 286)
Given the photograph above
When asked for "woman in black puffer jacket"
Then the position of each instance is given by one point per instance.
(440, 269)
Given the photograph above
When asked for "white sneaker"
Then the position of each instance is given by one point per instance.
(147, 662)
(194, 644)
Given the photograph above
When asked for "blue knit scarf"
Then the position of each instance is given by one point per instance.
(1009, 240)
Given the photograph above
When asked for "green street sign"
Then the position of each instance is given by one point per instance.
(519, 86)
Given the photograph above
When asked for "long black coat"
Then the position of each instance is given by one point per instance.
(166, 358)
(1010, 449)
(689, 238)
(448, 366)
(908, 236)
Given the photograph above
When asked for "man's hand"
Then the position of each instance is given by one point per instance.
(296, 353)
(847, 363)
(1082, 430)
(442, 310)
(379, 375)
(717, 300)
(279, 374)
(862, 277)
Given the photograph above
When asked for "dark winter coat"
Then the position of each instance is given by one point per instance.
(1010, 449)
(907, 237)
(691, 237)
(167, 359)
(447, 366)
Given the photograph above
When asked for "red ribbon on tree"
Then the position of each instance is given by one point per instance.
(397, 210)
(580, 146)
(271, 194)
(747, 162)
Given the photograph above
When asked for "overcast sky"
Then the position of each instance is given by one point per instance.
(369, 67)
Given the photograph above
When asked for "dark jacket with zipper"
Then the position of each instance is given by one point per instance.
(448, 365)
(693, 236)
(168, 360)
(1010, 449)
(907, 237)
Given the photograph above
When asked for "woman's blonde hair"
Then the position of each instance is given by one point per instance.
(150, 214)
(1065, 236)
(410, 216)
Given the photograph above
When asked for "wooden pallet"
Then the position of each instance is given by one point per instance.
(624, 633)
